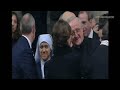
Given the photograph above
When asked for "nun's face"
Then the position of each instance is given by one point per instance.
(44, 51)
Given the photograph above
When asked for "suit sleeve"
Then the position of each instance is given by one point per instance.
(15, 71)
(28, 66)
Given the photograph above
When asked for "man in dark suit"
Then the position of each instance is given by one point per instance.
(23, 63)
(91, 40)
(77, 35)
(99, 59)
(96, 63)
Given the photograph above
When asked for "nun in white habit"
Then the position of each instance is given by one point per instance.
(43, 52)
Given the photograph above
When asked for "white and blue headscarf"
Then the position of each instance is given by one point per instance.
(43, 38)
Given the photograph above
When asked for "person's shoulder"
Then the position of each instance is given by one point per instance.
(100, 51)
(102, 47)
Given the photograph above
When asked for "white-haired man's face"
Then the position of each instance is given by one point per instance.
(77, 31)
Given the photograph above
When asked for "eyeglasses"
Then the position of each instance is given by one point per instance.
(75, 31)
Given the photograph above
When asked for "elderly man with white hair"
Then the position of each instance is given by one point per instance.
(67, 16)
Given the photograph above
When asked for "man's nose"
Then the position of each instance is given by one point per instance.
(75, 35)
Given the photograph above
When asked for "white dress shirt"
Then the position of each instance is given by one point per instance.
(105, 42)
(91, 34)
(42, 68)
(28, 42)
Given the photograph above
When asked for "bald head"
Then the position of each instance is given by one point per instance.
(27, 26)
(67, 16)
(76, 22)
(27, 23)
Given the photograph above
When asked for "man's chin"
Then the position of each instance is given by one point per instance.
(78, 43)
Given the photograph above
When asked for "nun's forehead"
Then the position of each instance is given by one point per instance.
(44, 42)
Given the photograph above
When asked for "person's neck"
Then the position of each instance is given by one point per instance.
(29, 37)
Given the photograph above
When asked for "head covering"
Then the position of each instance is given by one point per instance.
(43, 38)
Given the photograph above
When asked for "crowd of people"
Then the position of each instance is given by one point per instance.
(77, 48)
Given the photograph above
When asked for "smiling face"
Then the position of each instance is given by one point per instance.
(77, 31)
(87, 26)
(44, 51)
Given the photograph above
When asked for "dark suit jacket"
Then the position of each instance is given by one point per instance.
(23, 63)
(88, 47)
(96, 65)
(99, 63)
(93, 43)
(39, 71)
(63, 65)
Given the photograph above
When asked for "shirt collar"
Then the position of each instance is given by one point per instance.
(91, 34)
(28, 41)
(105, 42)
(42, 62)
(42, 68)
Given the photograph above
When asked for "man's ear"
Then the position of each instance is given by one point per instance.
(33, 29)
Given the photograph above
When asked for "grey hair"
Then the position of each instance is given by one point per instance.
(27, 24)
(78, 21)
(68, 19)
(61, 17)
